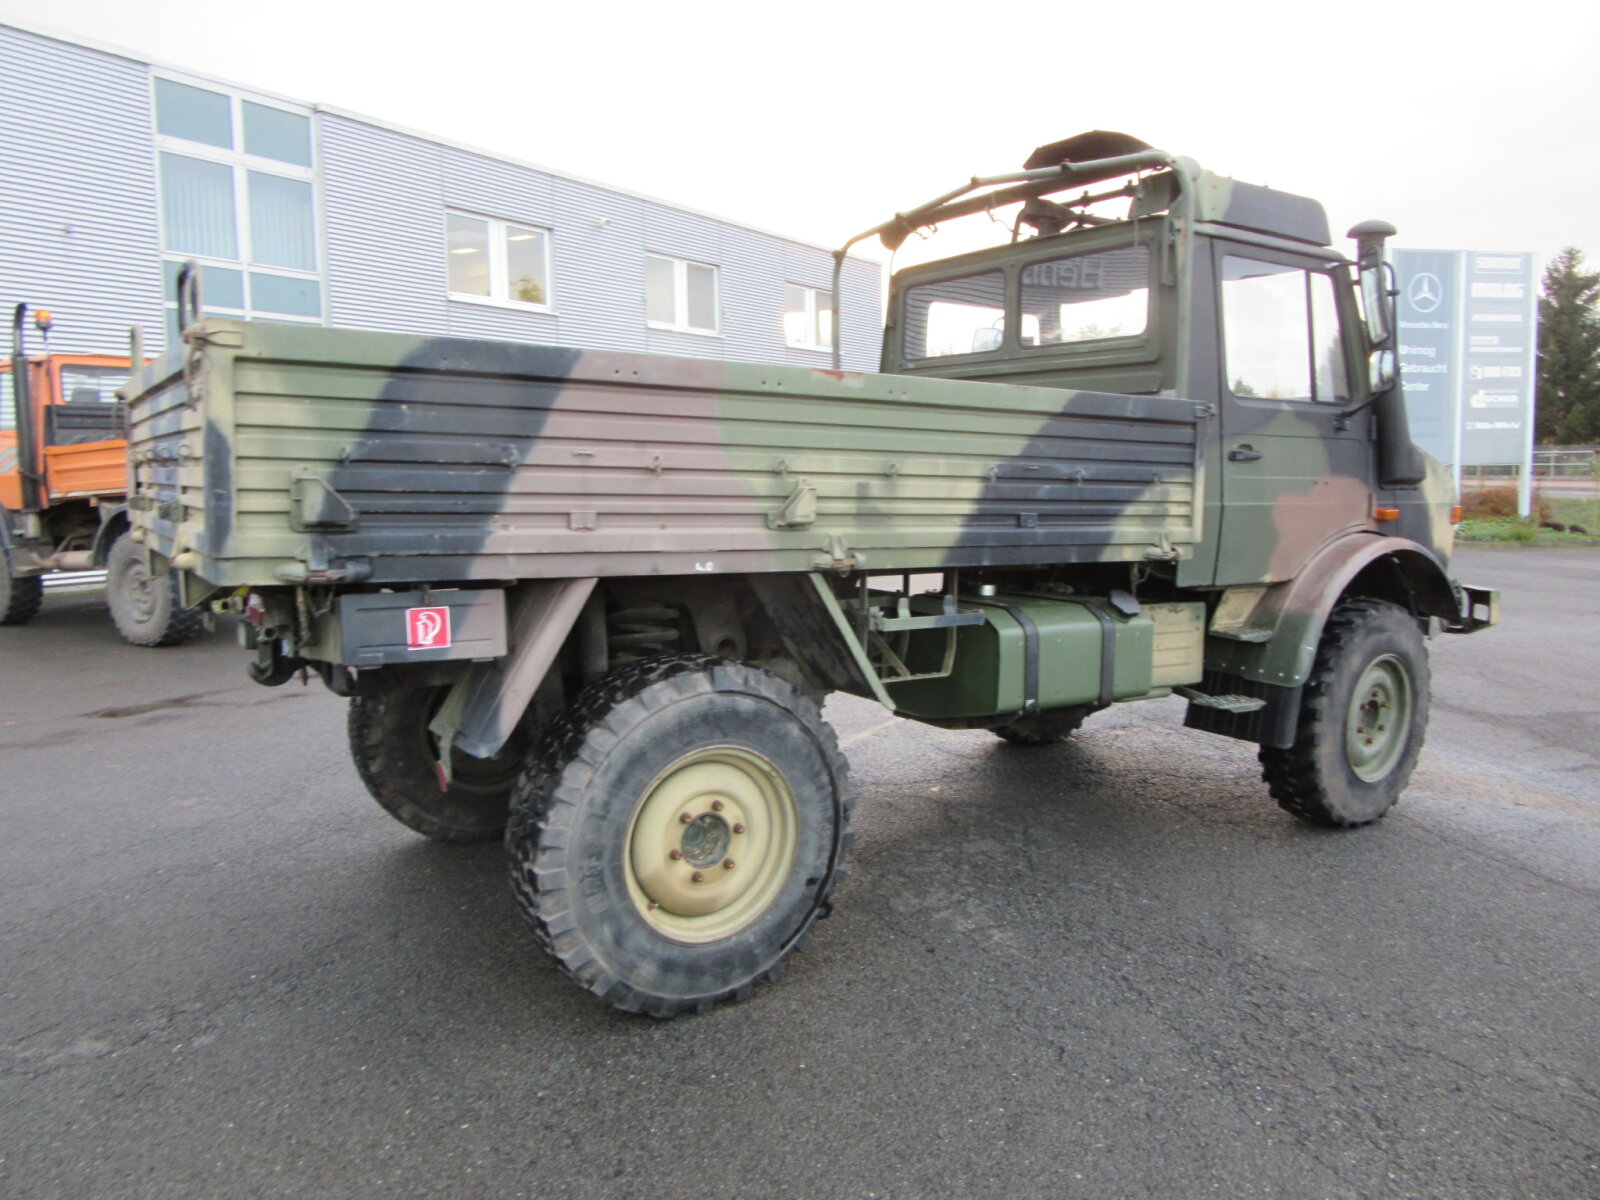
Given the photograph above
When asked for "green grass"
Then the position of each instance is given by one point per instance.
(1575, 510)
(1516, 531)
(1506, 530)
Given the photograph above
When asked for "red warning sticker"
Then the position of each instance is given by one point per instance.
(427, 628)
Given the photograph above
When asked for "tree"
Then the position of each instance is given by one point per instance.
(1568, 395)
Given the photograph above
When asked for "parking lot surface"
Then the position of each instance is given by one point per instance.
(1111, 968)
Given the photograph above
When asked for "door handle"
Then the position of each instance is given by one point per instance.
(1243, 453)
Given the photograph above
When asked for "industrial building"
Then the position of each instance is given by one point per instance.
(118, 170)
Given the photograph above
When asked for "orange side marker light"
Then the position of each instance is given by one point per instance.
(1455, 514)
(1385, 513)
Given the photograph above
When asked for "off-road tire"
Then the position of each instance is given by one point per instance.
(397, 757)
(19, 598)
(1045, 728)
(145, 608)
(1348, 764)
(685, 732)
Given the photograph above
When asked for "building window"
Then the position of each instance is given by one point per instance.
(238, 194)
(807, 317)
(680, 295)
(497, 260)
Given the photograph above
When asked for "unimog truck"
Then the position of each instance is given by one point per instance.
(63, 484)
(1153, 444)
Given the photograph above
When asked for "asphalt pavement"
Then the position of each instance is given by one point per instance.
(1107, 969)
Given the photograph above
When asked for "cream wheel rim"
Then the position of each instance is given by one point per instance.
(711, 844)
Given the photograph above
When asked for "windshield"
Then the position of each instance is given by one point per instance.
(86, 385)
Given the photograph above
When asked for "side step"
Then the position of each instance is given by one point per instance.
(1232, 703)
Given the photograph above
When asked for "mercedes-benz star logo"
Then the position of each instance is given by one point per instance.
(1424, 292)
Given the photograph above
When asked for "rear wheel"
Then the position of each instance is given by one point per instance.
(1363, 715)
(1045, 728)
(19, 597)
(680, 833)
(397, 757)
(145, 608)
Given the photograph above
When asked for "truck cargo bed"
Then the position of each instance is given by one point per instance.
(276, 454)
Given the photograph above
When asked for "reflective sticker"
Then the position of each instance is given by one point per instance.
(427, 628)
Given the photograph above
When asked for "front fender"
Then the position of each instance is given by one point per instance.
(1278, 642)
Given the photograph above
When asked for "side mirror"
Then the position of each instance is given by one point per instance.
(987, 339)
(1377, 296)
(1381, 371)
(1375, 303)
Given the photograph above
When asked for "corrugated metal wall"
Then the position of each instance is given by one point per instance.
(78, 231)
(384, 198)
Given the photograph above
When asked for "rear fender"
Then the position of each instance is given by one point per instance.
(1278, 642)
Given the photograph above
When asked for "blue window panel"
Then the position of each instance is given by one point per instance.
(220, 287)
(194, 114)
(273, 133)
(280, 294)
(197, 206)
(282, 233)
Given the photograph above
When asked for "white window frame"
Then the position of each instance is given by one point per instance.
(811, 310)
(680, 296)
(241, 164)
(499, 272)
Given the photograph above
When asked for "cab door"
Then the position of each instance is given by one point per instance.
(1295, 465)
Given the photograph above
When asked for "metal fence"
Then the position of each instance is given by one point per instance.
(1565, 462)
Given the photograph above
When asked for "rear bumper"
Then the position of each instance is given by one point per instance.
(1480, 608)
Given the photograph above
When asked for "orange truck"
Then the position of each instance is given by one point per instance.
(64, 486)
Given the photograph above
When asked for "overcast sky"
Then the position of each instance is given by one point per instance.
(1468, 125)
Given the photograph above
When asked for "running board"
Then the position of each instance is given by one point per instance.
(1232, 703)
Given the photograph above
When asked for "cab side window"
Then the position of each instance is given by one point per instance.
(1280, 333)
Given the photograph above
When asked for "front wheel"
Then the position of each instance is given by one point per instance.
(145, 608)
(1362, 718)
(680, 833)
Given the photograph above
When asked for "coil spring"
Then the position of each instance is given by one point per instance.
(643, 632)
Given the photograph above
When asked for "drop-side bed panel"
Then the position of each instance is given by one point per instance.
(270, 452)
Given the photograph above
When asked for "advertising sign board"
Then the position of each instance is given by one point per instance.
(1467, 344)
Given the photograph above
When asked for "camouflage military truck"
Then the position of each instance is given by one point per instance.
(594, 599)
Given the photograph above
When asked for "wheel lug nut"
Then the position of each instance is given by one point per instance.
(684, 818)
(727, 864)
(674, 855)
(716, 806)
(738, 826)
(698, 877)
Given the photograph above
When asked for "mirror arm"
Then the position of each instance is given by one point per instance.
(1341, 420)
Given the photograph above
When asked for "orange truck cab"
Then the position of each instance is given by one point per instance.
(79, 428)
